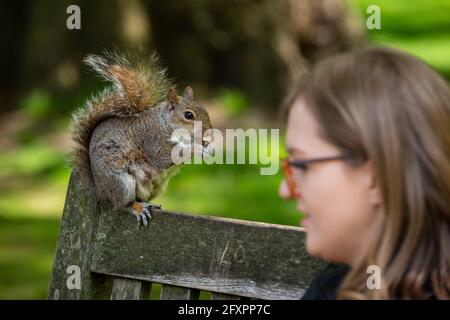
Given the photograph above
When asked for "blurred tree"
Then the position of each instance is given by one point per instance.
(14, 18)
(256, 46)
(51, 48)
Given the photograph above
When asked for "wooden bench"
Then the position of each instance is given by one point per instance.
(184, 253)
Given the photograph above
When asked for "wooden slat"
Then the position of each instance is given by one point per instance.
(223, 296)
(235, 257)
(125, 289)
(169, 292)
(74, 248)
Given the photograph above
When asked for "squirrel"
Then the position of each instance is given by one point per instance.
(123, 136)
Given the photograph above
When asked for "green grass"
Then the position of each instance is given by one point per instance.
(420, 27)
(26, 254)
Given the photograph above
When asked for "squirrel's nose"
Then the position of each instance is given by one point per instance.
(205, 143)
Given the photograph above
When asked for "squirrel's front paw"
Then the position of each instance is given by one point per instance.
(142, 211)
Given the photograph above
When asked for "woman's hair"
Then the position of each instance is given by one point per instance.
(392, 109)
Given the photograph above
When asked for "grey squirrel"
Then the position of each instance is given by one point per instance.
(123, 136)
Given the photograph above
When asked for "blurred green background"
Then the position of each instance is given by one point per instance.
(239, 57)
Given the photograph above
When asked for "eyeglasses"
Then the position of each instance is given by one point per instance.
(287, 166)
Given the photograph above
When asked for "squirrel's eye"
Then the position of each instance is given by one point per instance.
(188, 115)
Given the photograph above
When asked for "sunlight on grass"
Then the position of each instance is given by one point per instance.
(26, 255)
(31, 159)
(43, 201)
(33, 181)
(419, 27)
(233, 101)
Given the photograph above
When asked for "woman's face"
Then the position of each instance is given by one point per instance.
(340, 202)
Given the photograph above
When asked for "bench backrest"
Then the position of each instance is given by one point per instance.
(101, 254)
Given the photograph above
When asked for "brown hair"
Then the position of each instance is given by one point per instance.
(394, 110)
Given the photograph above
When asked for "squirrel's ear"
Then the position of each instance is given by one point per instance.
(188, 94)
(172, 97)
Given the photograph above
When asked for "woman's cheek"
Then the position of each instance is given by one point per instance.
(324, 239)
(325, 229)
(318, 237)
(316, 230)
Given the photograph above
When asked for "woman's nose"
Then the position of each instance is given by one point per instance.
(284, 191)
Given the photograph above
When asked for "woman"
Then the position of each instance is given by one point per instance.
(368, 140)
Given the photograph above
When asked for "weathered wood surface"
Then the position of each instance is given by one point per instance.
(224, 296)
(235, 257)
(169, 292)
(225, 256)
(74, 248)
(125, 289)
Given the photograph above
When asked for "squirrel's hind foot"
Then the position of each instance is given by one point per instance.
(142, 211)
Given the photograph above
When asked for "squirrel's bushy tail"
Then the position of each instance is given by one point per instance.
(138, 82)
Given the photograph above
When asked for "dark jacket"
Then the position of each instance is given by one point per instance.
(325, 285)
